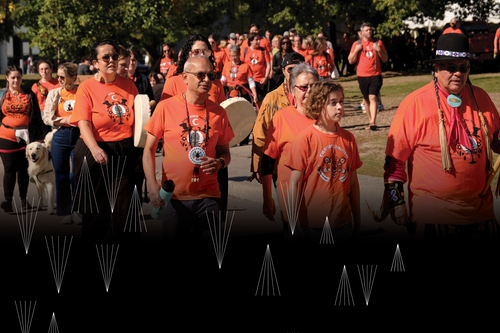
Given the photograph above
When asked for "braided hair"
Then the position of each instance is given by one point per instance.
(186, 49)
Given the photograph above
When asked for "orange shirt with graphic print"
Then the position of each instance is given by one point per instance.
(285, 125)
(109, 107)
(236, 74)
(257, 60)
(368, 63)
(436, 196)
(169, 121)
(41, 90)
(66, 104)
(326, 162)
(16, 113)
(165, 64)
(322, 63)
(176, 85)
(221, 58)
(264, 43)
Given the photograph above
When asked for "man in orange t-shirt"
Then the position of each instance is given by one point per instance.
(260, 64)
(445, 179)
(297, 46)
(454, 27)
(369, 54)
(196, 135)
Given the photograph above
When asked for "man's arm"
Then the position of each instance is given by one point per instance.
(383, 55)
(353, 56)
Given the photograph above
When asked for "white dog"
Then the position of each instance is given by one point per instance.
(42, 171)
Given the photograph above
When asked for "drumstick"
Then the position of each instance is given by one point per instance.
(491, 176)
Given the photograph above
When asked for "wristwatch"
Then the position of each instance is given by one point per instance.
(222, 163)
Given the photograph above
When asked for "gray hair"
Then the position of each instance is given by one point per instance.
(189, 62)
(234, 48)
(299, 69)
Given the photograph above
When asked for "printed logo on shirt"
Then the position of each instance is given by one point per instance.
(334, 164)
(255, 59)
(118, 110)
(16, 110)
(196, 136)
(475, 142)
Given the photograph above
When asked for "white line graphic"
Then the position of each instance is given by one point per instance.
(367, 277)
(111, 181)
(135, 215)
(268, 282)
(397, 261)
(344, 294)
(107, 260)
(58, 258)
(25, 315)
(292, 204)
(84, 191)
(220, 234)
(326, 234)
(27, 223)
(53, 324)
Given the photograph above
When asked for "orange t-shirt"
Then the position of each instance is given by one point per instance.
(220, 59)
(284, 127)
(436, 196)
(369, 63)
(322, 63)
(42, 89)
(236, 74)
(450, 30)
(66, 104)
(109, 107)
(302, 52)
(326, 162)
(16, 113)
(176, 85)
(165, 64)
(257, 60)
(170, 122)
(264, 43)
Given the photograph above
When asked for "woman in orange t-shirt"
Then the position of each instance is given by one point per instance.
(104, 112)
(284, 127)
(57, 114)
(20, 123)
(46, 83)
(320, 59)
(237, 74)
(323, 162)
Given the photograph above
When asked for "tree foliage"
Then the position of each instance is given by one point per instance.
(67, 29)
(7, 7)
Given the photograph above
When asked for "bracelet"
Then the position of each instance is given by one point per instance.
(395, 193)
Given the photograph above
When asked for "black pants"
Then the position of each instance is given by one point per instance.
(15, 167)
(104, 192)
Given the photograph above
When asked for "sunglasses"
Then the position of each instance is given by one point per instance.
(196, 52)
(304, 88)
(106, 57)
(201, 76)
(60, 77)
(283, 43)
(453, 69)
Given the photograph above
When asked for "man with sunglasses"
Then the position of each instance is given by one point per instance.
(277, 99)
(196, 135)
(445, 132)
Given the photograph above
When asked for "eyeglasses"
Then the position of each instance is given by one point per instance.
(453, 69)
(304, 88)
(283, 43)
(196, 52)
(60, 77)
(201, 76)
(106, 57)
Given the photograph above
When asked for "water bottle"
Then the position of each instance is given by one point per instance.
(166, 192)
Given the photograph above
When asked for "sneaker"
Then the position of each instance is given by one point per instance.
(76, 217)
(380, 107)
(7, 206)
(67, 219)
(360, 106)
(25, 205)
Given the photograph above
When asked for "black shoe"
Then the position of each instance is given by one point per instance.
(25, 205)
(7, 206)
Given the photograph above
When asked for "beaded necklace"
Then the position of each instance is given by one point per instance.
(196, 151)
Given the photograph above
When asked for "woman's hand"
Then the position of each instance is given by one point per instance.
(99, 155)
(154, 195)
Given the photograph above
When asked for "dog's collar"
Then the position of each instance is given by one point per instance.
(44, 172)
